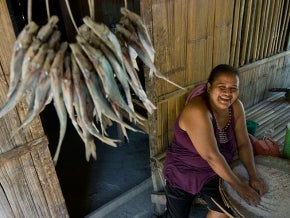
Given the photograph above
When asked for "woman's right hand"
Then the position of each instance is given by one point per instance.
(247, 193)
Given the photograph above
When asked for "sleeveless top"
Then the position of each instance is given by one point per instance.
(184, 168)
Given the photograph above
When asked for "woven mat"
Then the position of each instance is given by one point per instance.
(275, 203)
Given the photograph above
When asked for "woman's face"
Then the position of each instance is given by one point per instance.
(224, 90)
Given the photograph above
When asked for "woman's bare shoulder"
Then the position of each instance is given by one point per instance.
(238, 109)
(195, 105)
(195, 117)
(238, 106)
(194, 111)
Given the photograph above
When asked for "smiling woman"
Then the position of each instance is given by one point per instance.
(207, 134)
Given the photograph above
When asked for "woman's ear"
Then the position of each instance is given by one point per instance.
(208, 85)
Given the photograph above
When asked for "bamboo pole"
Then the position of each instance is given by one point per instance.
(278, 33)
(286, 16)
(273, 36)
(249, 50)
(239, 34)
(236, 17)
(257, 30)
(269, 28)
(265, 30)
(246, 28)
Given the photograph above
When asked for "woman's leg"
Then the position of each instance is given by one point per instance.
(178, 202)
(215, 214)
(210, 193)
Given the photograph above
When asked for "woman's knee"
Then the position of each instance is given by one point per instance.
(215, 214)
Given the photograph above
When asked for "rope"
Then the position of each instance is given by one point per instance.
(92, 8)
(47, 8)
(71, 16)
(29, 10)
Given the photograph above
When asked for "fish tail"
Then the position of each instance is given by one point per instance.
(158, 74)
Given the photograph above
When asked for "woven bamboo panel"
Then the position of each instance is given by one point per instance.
(187, 45)
(258, 77)
(29, 186)
(272, 116)
(191, 37)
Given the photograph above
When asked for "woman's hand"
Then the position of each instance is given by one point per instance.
(258, 184)
(250, 195)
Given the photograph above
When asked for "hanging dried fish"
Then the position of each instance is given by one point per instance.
(86, 80)
(55, 74)
(42, 92)
(92, 81)
(22, 43)
(116, 66)
(85, 103)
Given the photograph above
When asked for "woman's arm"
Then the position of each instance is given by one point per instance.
(245, 148)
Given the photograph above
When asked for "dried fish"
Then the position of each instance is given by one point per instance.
(136, 85)
(88, 139)
(105, 34)
(119, 71)
(30, 72)
(55, 74)
(105, 72)
(92, 81)
(22, 43)
(142, 30)
(46, 30)
(133, 41)
(43, 96)
(86, 106)
(54, 39)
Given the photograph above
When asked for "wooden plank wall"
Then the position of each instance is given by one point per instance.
(192, 36)
(28, 182)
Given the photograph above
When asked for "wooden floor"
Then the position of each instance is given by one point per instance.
(272, 116)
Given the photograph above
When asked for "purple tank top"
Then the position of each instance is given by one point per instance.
(184, 168)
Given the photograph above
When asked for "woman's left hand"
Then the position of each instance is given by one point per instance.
(259, 185)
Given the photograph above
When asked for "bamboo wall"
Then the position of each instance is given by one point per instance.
(28, 182)
(193, 36)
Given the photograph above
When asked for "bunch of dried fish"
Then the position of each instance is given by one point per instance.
(86, 79)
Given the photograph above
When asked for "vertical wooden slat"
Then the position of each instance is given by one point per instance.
(278, 28)
(265, 17)
(239, 38)
(222, 31)
(249, 51)
(269, 27)
(236, 18)
(246, 28)
(199, 39)
(257, 30)
(274, 27)
(286, 16)
(35, 188)
(5, 208)
(171, 118)
(178, 41)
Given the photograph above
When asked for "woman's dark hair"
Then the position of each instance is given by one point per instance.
(219, 69)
